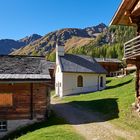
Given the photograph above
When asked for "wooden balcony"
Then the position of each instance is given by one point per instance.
(132, 48)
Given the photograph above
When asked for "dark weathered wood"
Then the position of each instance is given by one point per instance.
(22, 102)
(31, 100)
(138, 80)
(132, 48)
(123, 15)
(129, 14)
(110, 66)
(134, 7)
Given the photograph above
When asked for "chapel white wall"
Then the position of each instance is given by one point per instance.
(58, 81)
(91, 82)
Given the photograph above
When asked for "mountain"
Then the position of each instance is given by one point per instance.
(9, 45)
(70, 37)
(98, 41)
(29, 39)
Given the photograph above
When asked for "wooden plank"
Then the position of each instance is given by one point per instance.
(21, 101)
(6, 99)
(136, 9)
(31, 101)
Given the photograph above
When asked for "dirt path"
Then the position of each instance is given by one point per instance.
(88, 124)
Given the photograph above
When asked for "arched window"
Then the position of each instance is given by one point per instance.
(101, 81)
(80, 81)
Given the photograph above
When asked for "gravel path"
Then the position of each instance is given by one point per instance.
(90, 125)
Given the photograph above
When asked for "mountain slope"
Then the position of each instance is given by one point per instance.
(47, 44)
(29, 39)
(9, 45)
(98, 41)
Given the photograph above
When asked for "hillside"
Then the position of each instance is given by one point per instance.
(114, 103)
(47, 43)
(98, 41)
(9, 45)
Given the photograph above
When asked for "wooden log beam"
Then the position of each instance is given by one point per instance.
(138, 82)
(134, 5)
(135, 9)
(31, 101)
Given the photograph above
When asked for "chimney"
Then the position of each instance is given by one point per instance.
(59, 52)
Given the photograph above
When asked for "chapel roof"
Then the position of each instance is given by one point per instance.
(80, 63)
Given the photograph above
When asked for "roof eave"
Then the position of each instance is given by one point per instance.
(85, 72)
(115, 15)
(25, 81)
(117, 18)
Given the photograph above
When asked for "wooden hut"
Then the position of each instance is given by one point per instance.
(111, 65)
(24, 91)
(128, 13)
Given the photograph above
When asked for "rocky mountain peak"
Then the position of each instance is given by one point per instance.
(29, 39)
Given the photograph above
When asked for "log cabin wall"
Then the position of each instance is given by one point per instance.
(22, 107)
(128, 13)
(138, 67)
(41, 101)
(52, 78)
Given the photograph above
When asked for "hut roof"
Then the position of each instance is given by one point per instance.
(24, 67)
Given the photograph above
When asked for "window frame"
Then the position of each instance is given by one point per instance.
(80, 81)
(3, 123)
(11, 103)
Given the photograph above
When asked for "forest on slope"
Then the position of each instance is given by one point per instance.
(109, 44)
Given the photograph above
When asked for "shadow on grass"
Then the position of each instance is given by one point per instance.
(92, 111)
(108, 81)
(119, 85)
(52, 120)
(100, 110)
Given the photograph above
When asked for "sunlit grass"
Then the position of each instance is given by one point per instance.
(55, 128)
(114, 102)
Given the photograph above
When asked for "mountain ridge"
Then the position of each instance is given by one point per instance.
(9, 45)
(98, 41)
(47, 43)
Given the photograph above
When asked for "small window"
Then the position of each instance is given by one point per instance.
(3, 125)
(80, 81)
(101, 81)
(6, 99)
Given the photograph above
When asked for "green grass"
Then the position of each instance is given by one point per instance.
(54, 129)
(114, 102)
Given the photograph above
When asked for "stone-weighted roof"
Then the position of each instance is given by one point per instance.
(80, 63)
(23, 67)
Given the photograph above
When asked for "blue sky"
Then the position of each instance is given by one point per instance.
(19, 18)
